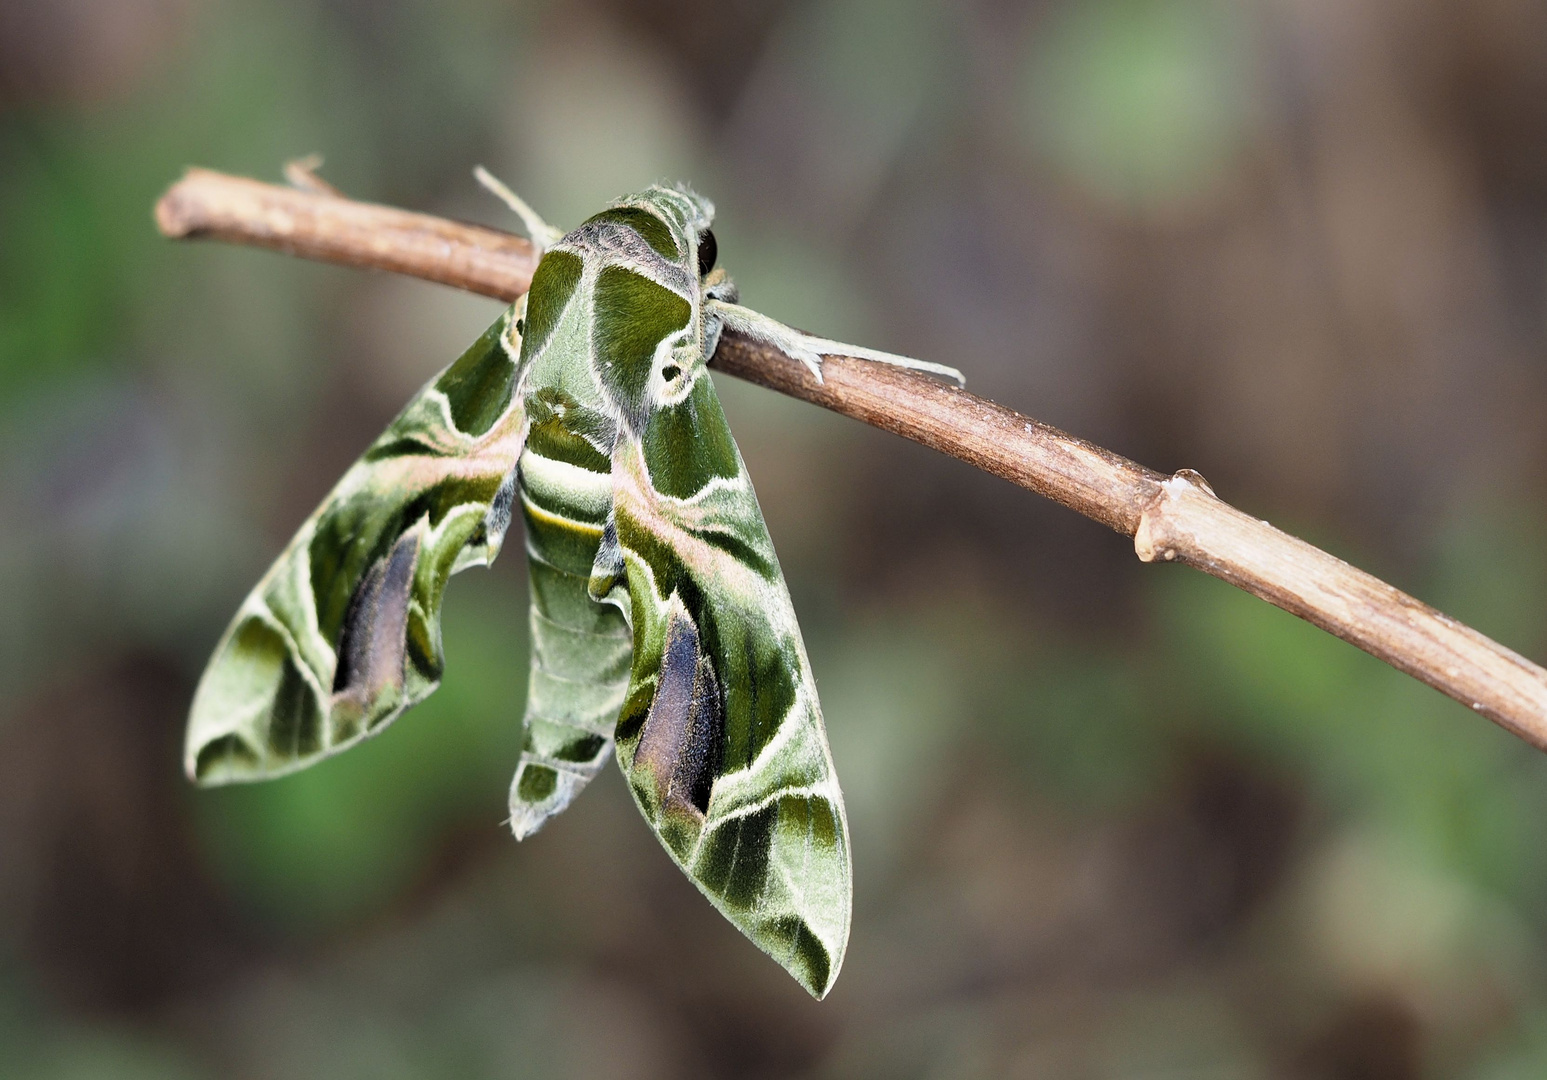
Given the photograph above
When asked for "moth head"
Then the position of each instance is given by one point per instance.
(675, 222)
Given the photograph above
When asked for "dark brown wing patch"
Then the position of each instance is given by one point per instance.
(372, 646)
(679, 748)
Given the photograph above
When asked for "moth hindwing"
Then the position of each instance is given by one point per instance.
(660, 623)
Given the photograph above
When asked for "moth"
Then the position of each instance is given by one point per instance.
(662, 631)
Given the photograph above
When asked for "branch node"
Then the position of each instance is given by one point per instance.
(301, 174)
(1161, 533)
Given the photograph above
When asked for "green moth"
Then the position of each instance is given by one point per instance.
(661, 628)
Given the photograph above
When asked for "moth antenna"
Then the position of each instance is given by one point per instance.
(542, 234)
(809, 349)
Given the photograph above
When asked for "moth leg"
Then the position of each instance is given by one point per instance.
(809, 349)
(542, 234)
(719, 286)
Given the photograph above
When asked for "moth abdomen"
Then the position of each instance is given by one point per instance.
(581, 650)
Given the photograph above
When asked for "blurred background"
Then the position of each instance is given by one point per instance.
(1108, 820)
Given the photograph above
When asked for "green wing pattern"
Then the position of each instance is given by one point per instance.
(343, 632)
(661, 626)
(721, 735)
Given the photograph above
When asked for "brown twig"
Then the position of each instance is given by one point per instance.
(1173, 519)
(317, 225)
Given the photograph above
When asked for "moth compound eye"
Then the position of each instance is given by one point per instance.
(707, 251)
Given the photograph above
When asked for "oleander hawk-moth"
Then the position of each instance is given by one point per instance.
(661, 627)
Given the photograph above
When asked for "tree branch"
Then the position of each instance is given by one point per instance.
(1172, 519)
(318, 225)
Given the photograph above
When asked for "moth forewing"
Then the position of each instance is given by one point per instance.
(343, 632)
(720, 733)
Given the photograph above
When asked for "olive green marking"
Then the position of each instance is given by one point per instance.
(585, 419)
(442, 498)
(790, 941)
(733, 862)
(409, 445)
(478, 386)
(253, 659)
(808, 819)
(633, 315)
(652, 229)
(636, 707)
(423, 652)
(559, 429)
(553, 284)
(537, 782)
(742, 551)
(688, 444)
(581, 749)
(678, 829)
(560, 545)
(347, 541)
(224, 751)
(296, 726)
(767, 693)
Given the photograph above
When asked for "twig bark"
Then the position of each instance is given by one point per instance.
(319, 225)
(1172, 519)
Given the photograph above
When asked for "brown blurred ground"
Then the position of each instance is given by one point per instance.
(1108, 820)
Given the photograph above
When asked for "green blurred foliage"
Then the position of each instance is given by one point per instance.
(1140, 101)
